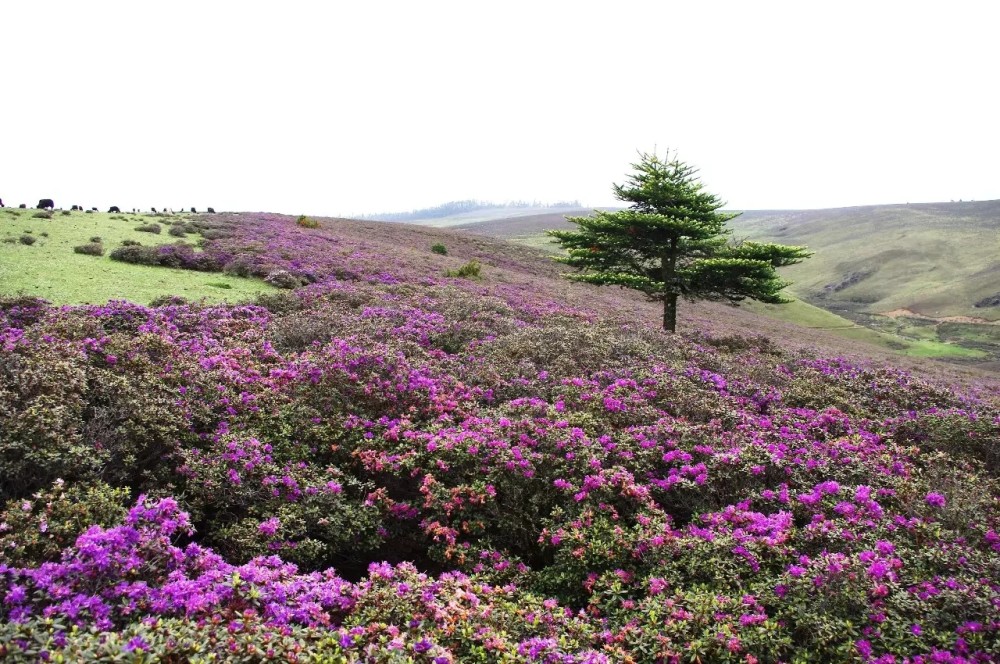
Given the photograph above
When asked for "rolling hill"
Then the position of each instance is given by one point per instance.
(913, 273)
(935, 260)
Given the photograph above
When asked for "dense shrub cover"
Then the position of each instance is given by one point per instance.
(388, 467)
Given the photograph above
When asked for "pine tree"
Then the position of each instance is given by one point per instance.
(672, 242)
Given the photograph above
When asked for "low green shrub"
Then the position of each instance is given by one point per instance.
(38, 529)
(440, 249)
(283, 279)
(306, 222)
(90, 249)
(137, 254)
(156, 229)
(27, 240)
(470, 270)
(168, 301)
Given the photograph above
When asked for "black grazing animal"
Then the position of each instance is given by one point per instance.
(46, 203)
(193, 210)
(23, 205)
(113, 208)
(94, 209)
(211, 210)
(153, 209)
(74, 208)
(1, 202)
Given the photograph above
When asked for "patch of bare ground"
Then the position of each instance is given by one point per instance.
(898, 313)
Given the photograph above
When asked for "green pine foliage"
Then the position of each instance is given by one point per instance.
(672, 242)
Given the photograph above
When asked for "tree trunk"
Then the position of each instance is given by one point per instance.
(668, 266)
(670, 312)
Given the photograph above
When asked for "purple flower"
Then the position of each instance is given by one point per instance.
(136, 643)
(935, 499)
(269, 527)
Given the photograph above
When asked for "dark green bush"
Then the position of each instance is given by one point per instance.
(470, 270)
(214, 234)
(131, 243)
(27, 240)
(306, 222)
(168, 301)
(90, 249)
(42, 399)
(42, 214)
(39, 529)
(136, 254)
(156, 229)
(440, 249)
(283, 279)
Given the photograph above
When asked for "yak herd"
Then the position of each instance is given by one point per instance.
(48, 204)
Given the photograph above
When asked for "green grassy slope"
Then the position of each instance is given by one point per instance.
(810, 316)
(49, 268)
(933, 259)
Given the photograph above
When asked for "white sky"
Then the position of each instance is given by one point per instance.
(369, 106)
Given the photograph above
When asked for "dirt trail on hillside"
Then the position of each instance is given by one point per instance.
(896, 313)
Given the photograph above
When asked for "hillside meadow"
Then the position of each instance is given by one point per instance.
(923, 272)
(49, 267)
(938, 233)
(370, 461)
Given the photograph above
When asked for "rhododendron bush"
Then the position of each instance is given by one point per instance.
(396, 466)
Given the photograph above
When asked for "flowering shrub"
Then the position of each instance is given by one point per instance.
(383, 466)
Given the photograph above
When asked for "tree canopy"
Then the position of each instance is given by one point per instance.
(672, 242)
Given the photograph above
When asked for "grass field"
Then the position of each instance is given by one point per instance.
(49, 267)
(933, 259)
(910, 340)
(923, 344)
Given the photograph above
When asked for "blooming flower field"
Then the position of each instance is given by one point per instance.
(388, 465)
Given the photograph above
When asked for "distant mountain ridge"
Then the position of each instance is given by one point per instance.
(467, 207)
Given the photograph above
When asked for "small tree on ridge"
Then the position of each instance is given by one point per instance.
(671, 242)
